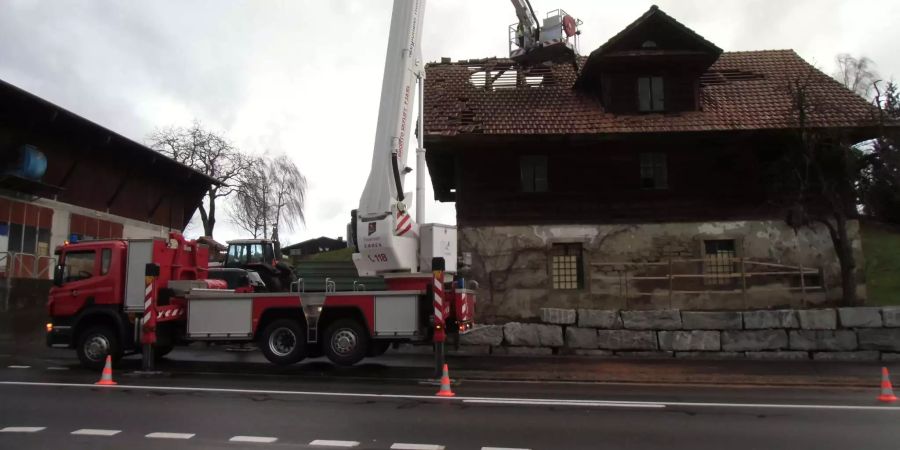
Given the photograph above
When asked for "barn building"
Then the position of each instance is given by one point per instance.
(63, 177)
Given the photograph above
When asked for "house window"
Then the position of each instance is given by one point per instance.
(654, 171)
(718, 261)
(533, 173)
(566, 266)
(650, 94)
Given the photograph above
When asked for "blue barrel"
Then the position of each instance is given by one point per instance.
(32, 163)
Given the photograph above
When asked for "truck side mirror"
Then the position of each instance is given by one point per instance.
(58, 274)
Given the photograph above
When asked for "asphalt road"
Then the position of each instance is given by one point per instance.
(42, 405)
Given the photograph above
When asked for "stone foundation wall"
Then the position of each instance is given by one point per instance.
(512, 265)
(840, 334)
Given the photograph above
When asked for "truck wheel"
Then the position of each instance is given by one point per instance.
(346, 342)
(283, 342)
(95, 343)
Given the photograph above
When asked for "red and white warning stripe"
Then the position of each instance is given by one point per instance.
(404, 224)
(148, 301)
(438, 300)
(170, 313)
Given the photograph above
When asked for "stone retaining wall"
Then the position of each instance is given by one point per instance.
(845, 334)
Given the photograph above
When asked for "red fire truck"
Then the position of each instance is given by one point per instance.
(111, 296)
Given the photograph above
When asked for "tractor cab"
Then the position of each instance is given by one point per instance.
(262, 256)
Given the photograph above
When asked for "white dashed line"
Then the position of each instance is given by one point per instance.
(18, 367)
(95, 432)
(328, 443)
(164, 435)
(401, 446)
(22, 429)
(254, 439)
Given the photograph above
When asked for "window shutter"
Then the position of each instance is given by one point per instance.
(661, 171)
(644, 103)
(527, 174)
(540, 174)
(658, 94)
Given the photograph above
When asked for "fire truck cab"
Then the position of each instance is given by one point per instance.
(110, 296)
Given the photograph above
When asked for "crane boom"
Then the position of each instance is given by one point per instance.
(386, 235)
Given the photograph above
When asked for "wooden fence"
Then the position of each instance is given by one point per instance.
(692, 276)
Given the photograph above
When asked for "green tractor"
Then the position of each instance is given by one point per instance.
(262, 256)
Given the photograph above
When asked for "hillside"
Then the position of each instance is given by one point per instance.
(881, 246)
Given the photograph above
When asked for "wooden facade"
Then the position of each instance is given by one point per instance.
(709, 177)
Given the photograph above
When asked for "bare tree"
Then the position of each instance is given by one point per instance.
(272, 194)
(879, 184)
(818, 175)
(289, 194)
(250, 209)
(856, 74)
(208, 153)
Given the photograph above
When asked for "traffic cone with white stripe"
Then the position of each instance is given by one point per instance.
(106, 378)
(445, 384)
(887, 391)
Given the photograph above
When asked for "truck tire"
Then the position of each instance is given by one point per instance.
(346, 342)
(283, 342)
(94, 343)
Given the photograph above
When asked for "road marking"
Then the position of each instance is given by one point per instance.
(564, 403)
(328, 443)
(22, 429)
(402, 446)
(164, 435)
(57, 368)
(95, 432)
(255, 439)
(452, 399)
(18, 367)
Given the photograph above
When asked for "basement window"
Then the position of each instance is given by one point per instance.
(651, 94)
(654, 171)
(567, 267)
(718, 261)
(533, 173)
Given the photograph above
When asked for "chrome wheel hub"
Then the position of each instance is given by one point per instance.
(282, 342)
(343, 342)
(96, 348)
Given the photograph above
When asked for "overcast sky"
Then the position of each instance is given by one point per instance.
(304, 77)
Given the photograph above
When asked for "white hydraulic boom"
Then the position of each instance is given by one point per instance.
(386, 235)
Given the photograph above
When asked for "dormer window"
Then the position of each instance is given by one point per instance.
(650, 94)
(648, 44)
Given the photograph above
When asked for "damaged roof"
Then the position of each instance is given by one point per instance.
(740, 91)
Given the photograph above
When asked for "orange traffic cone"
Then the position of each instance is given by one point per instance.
(106, 377)
(887, 391)
(445, 384)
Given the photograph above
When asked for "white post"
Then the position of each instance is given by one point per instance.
(420, 155)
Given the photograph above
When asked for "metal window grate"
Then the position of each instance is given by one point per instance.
(719, 257)
(567, 266)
